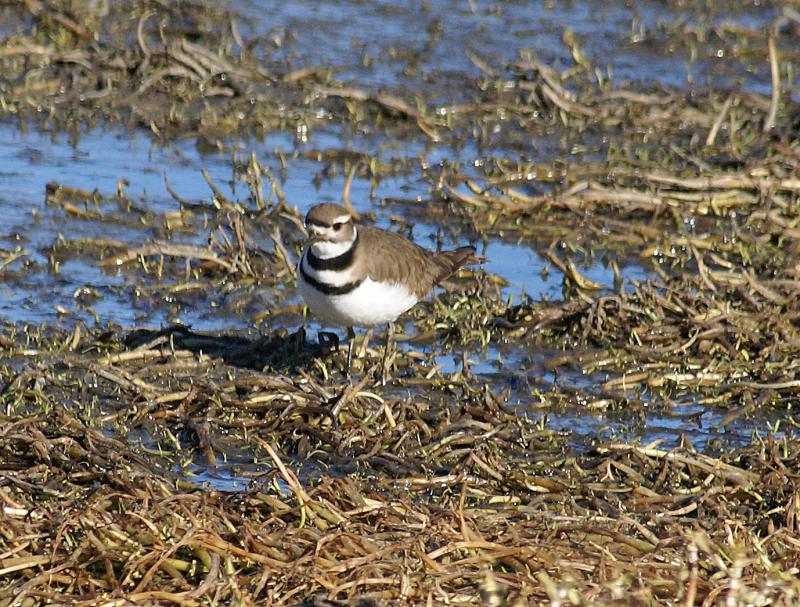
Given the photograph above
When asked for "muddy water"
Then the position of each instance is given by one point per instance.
(421, 48)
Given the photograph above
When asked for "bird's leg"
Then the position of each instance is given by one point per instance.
(386, 348)
(362, 349)
(351, 339)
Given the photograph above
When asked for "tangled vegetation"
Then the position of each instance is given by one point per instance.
(448, 486)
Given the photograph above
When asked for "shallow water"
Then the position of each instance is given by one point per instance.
(423, 48)
(423, 45)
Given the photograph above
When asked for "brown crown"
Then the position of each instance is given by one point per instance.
(325, 214)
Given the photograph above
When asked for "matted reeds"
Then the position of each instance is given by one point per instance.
(166, 465)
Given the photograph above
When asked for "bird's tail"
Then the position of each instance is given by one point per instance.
(451, 261)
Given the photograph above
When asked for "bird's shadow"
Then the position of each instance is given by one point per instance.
(280, 351)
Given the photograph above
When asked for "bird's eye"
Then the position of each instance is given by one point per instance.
(337, 226)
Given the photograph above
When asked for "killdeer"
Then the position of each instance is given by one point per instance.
(357, 275)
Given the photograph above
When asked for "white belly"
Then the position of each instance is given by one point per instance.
(370, 304)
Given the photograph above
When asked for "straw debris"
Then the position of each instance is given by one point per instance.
(173, 465)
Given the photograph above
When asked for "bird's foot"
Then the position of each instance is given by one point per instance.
(384, 372)
(328, 341)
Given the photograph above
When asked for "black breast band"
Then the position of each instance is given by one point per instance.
(340, 262)
(326, 288)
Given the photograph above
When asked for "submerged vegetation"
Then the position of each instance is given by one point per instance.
(119, 447)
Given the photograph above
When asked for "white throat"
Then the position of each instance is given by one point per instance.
(325, 249)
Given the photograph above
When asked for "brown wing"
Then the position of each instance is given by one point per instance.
(402, 261)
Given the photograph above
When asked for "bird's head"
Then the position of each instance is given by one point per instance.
(331, 230)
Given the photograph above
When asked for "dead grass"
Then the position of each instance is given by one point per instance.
(435, 489)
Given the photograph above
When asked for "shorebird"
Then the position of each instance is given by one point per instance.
(353, 275)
